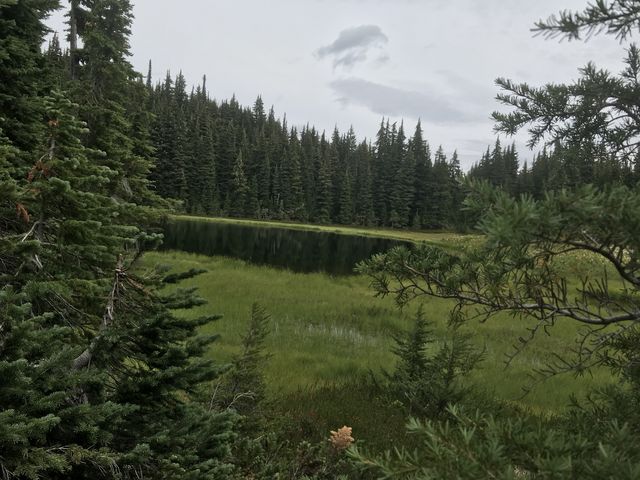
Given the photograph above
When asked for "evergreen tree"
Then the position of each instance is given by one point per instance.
(205, 166)
(243, 387)
(438, 210)
(459, 217)
(110, 93)
(380, 177)
(21, 69)
(259, 116)
(364, 197)
(310, 159)
(422, 188)
(238, 195)
(291, 180)
(227, 156)
(398, 194)
(425, 379)
(100, 374)
(324, 193)
(262, 165)
(346, 201)
(289, 174)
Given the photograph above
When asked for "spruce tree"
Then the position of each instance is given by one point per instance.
(380, 177)
(323, 193)
(238, 194)
(100, 373)
(422, 158)
(110, 93)
(439, 209)
(262, 165)
(291, 180)
(295, 175)
(310, 157)
(402, 191)
(364, 196)
(346, 201)
(21, 69)
(227, 155)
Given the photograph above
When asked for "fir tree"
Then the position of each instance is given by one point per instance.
(100, 373)
(364, 196)
(346, 201)
(424, 380)
(323, 195)
(21, 69)
(291, 180)
(105, 87)
(238, 195)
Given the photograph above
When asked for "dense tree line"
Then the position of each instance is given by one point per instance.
(220, 158)
(225, 159)
(558, 165)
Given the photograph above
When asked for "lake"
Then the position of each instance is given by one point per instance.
(296, 250)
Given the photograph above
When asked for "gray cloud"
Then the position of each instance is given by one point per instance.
(382, 59)
(352, 45)
(350, 58)
(386, 100)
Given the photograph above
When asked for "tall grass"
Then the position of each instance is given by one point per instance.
(328, 331)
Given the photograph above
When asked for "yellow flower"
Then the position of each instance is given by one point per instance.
(341, 439)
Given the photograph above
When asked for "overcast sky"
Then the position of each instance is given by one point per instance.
(351, 62)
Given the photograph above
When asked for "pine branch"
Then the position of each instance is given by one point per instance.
(84, 359)
(618, 17)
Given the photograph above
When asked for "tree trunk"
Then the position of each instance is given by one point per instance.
(73, 37)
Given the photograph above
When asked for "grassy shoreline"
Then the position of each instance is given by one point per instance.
(438, 237)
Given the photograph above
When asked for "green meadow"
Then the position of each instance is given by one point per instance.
(331, 332)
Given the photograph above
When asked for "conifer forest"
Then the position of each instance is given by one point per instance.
(193, 288)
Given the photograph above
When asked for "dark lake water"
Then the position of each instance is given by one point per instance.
(296, 250)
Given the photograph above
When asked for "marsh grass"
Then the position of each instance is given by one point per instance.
(331, 331)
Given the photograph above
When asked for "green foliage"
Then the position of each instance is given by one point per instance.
(111, 96)
(103, 371)
(596, 116)
(499, 167)
(302, 461)
(238, 196)
(295, 175)
(242, 387)
(99, 374)
(617, 17)
(520, 267)
(267, 445)
(351, 334)
(22, 29)
(426, 381)
(470, 445)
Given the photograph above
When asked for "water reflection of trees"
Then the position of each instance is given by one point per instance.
(297, 250)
